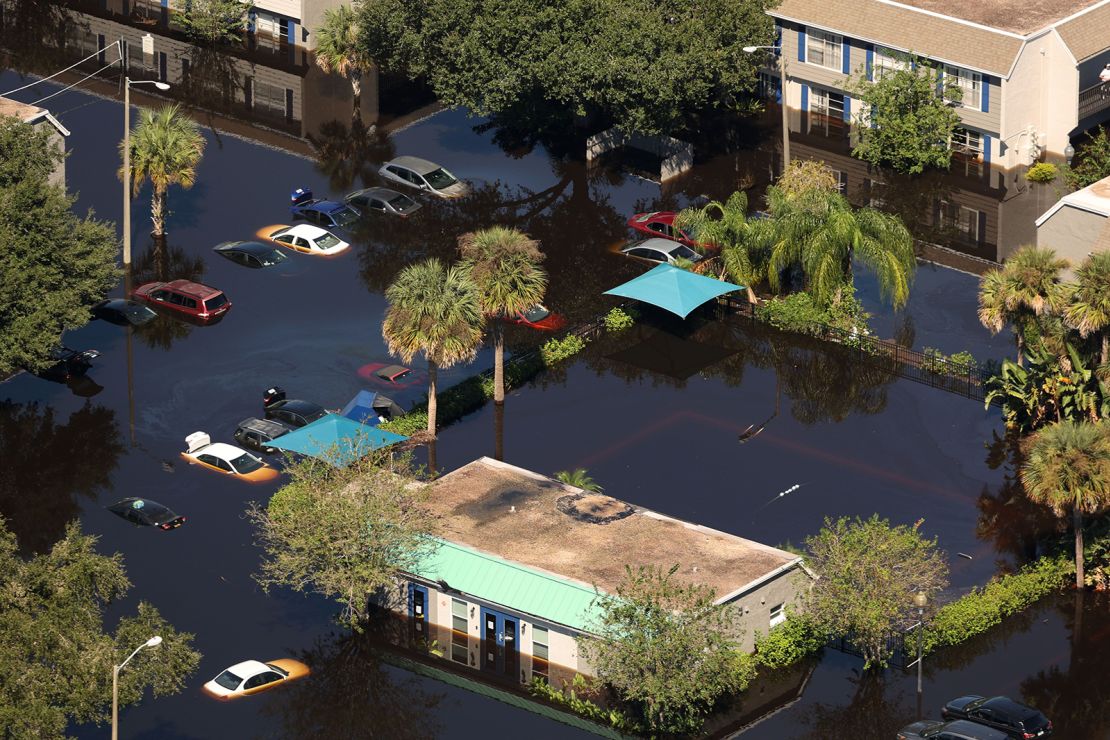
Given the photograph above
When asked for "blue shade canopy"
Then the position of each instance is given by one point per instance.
(361, 408)
(337, 439)
(677, 290)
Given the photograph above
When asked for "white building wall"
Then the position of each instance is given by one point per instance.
(1041, 96)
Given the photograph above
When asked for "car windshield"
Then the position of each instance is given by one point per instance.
(344, 216)
(229, 680)
(440, 179)
(327, 241)
(279, 669)
(685, 253)
(271, 258)
(215, 301)
(138, 314)
(536, 313)
(644, 217)
(401, 202)
(246, 463)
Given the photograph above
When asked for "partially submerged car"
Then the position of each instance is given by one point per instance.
(537, 317)
(304, 238)
(661, 223)
(185, 298)
(225, 458)
(255, 255)
(67, 364)
(931, 729)
(423, 175)
(382, 200)
(1001, 713)
(290, 411)
(397, 376)
(326, 213)
(146, 513)
(123, 312)
(660, 250)
(253, 677)
(258, 433)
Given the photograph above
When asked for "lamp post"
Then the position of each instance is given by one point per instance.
(920, 599)
(782, 103)
(152, 642)
(1069, 153)
(127, 83)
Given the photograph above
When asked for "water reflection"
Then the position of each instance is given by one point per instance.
(48, 465)
(350, 154)
(162, 262)
(1015, 526)
(871, 712)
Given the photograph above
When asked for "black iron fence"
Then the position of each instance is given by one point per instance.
(895, 642)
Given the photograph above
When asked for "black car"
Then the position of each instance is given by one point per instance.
(68, 364)
(123, 312)
(382, 200)
(250, 254)
(293, 412)
(931, 729)
(147, 513)
(256, 433)
(1001, 713)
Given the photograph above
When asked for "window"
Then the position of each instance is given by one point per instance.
(841, 181)
(823, 49)
(778, 614)
(459, 630)
(967, 150)
(885, 61)
(826, 112)
(540, 652)
(965, 221)
(268, 98)
(971, 83)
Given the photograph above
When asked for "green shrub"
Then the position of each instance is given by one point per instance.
(618, 320)
(409, 424)
(555, 351)
(938, 362)
(569, 698)
(1041, 172)
(793, 640)
(798, 312)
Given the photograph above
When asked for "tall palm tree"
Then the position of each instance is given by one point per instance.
(434, 309)
(819, 231)
(1089, 310)
(338, 50)
(1025, 291)
(726, 226)
(504, 265)
(1068, 468)
(166, 147)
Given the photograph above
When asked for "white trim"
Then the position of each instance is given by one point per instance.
(954, 19)
(1077, 13)
(1060, 205)
(53, 121)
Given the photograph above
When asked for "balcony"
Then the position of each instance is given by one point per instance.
(1094, 99)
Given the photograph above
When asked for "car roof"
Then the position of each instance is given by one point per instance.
(255, 248)
(391, 370)
(327, 206)
(249, 668)
(975, 730)
(221, 450)
(263, 425)
(126, 503)
(666, 217)
(656, 242)
(1008, 705)
(384, 193)
(308, 231)
(299, 405)
(197, 290)
(416, 164)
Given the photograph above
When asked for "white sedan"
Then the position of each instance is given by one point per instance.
(304, 238)
(227, 459)
(660, 250)
(253, 677)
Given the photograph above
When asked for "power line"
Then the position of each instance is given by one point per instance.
(76, 64)
(75, 84)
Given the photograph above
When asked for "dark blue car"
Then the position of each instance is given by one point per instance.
(325, 213)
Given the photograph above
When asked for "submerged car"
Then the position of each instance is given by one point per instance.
(257, 433)
(326, 213)
(147, 513)
(123, 312)
(660, 250)
(537, 317)
(291, 411)
(1001, 713)
(423, 175)
(304, 238)
(661, 223)
(251, 254)
(391, 375)
(226, 458)
(185, 298)
(931, 729)
(253, 677)
(68, 364)
(382, 200)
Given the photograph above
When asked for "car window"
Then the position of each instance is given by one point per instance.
(160, 295)
(188, 302)
(376, 204)
(313, 216)
(659, 228)
(327, 241)
(216, 301)
(175, 298)
(400, 201)
(283, 416)
(255, 681)
(440, 179)
(228, 680)
(222, 464)
(684, 252)
(284, 238)
(251, 261)
(208, 459)
(246, 463)
(301, 242)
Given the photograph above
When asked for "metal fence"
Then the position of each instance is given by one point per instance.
(895, 647)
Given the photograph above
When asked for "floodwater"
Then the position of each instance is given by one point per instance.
(655, 415)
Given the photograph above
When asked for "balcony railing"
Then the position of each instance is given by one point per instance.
(1094, 99)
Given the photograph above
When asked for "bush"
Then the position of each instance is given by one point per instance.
(555, 351)
(938, 362)
(618, 320)
(798, 312)
(584, 707)
(793, 640)
(1041, 172)
(411, 423)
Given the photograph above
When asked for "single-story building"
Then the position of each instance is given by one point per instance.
(40, 118)
(511, 587)
(1078, 224)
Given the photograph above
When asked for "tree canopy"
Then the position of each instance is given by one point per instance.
(214, 21)
(645, 64)
(55, 656)
(54, 265)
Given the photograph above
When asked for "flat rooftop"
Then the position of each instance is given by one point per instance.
(1016, 16)
(22, 111)
(528, 518)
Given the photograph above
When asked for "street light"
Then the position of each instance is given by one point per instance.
(152, 642)
(127, 83)
(1069, 153)
(782, 104)
(920, 599)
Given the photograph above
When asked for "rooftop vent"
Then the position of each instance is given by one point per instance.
(593, 508)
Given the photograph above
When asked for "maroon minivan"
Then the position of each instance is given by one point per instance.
(195, 300)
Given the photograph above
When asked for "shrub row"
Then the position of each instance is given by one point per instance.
(788, 643)
(569, 699)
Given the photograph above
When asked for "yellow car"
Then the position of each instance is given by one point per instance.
(254, 677)
(304, 238)
(227, 459)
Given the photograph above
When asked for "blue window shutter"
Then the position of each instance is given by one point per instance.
(982, 227)
(847, 109)
(940, 81)
(986, 149)
(986, 107)
(805, 98)
(845, 57)
(801, 44)
(290, 31)
(870, 60)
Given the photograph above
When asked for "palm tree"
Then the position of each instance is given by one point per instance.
(1068, 468)
(166, 147)
(1025, 290)
(338, 50)
(819, 231)
(579, 478)
(741, 242)
(1089, 311)
(433, 309)
(504, 265)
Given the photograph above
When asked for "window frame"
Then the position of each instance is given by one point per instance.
(777, 615)
(885, 59)
(973, 87)
(831, 49)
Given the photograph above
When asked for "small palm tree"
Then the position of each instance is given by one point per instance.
(1023, 292)
(504, 265)
(338, 50)
(579, 478)
(166, 147)
(726, 226)
(1089, 311)
(433, 309)
(1068, 468)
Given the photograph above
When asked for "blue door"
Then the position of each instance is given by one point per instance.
(418, 611)
(500, 638)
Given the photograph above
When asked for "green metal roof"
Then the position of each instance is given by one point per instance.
(509, 584)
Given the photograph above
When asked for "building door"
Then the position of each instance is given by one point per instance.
(500, 637)
(418, 611)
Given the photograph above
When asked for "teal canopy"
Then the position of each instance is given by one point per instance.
(337, 439)
(677, 290)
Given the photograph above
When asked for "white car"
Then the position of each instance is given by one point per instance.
(253, 677)
(225, 458)
(423, 175)
(304, 238)
(660, 250)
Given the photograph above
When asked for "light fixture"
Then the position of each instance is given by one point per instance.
(1069, 153)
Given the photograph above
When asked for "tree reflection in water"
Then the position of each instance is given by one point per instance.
(35, 34)
(161, 262)
(351, 154)
(47, 465)
(870, 713)
(1017, 527)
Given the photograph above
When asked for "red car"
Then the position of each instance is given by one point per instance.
(190, 299)
(396, 376)
(538, 317)
(661, 223)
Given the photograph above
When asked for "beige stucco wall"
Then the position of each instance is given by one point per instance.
(755, 607)
(1042, 92)
(1071, 233)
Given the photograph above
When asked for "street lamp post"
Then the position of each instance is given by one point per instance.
(127, 83)
(152, 642)
(782, 103)
(920, 599)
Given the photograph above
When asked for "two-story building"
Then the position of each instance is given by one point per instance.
(1029, 71)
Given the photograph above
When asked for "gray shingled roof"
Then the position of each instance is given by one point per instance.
(1087, 34)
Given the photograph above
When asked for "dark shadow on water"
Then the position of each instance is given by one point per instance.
(162, 262)
(350, 154)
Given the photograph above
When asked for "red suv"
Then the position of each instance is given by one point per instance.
(192, 299)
